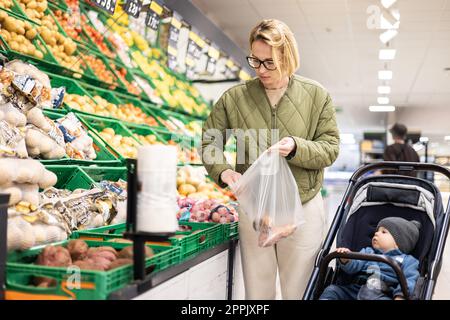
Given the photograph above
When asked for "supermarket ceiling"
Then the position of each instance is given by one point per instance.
(341, 52)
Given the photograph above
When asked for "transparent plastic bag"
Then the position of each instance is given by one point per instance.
(268, 194)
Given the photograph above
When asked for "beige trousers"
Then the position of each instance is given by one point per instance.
(293, 257)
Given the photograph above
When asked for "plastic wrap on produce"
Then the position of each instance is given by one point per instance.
(83, 209)
(12, 143)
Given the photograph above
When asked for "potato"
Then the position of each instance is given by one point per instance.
(119, 263)
(3, 15)
(46, 34)
(32, 5)
(10, 24)
(5, 34)
(127, 253)
(78, 249)
(94, 250)
(88, 265)
(54, 256)
(31, 34)
(14, 46)
(38, 54)
(48, 180)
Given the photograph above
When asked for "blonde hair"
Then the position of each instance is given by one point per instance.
(284, 47)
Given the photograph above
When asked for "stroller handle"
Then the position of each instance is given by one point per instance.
(361, 256)
(400, 166)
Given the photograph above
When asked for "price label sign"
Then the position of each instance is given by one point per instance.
(172, 62)
(107, 5)
(153, 15)
(133, 7)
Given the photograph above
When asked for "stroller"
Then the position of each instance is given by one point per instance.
(367, 200)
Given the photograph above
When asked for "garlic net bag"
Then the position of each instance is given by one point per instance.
(268, 194)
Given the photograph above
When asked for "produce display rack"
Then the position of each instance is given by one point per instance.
(176, 255)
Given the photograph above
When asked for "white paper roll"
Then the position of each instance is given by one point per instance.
(156, 200)
(157, 158)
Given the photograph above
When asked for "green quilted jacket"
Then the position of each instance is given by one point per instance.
(305, 113)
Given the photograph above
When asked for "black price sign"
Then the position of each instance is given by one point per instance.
(133, 7)
(107, 5)
(152, 20)
(153, 15)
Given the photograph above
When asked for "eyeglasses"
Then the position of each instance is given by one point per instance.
(255, 63)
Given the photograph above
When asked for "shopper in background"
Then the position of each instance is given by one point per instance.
(302, 112)
(400, 150)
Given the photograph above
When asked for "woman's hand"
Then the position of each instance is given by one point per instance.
(229, 176)
(343, 250)
(284, 146)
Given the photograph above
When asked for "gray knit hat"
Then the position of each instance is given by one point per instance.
(404, 232)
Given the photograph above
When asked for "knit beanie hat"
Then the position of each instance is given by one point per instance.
(404, 232)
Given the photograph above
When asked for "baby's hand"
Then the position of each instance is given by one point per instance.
(399, 298)
(343, 250)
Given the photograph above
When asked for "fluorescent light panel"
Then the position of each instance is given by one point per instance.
(384, 89)
(382, 108)
(388, 3)
(388, 35)
(383, 100)
(385, 75)
(387, 54)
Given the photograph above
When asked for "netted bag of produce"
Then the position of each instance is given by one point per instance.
(25, 86)
(78, 143)
(268, 194)
(12, 143)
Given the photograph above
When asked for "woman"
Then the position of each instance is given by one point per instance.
(302, 114)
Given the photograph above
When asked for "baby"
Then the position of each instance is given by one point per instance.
(395, 238)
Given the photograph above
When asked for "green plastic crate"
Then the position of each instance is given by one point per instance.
(70, 177)
(15, 10)
(97, 124)
(230, 230)
(208, 236)
(48, 61)
(104, 156)
(115, 229)
(98, 174)
(95, 285)
(72, 87)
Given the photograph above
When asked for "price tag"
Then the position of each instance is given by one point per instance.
(133, 7)
(211, 66)
(172, 62)
(153, 15)
(107, 5)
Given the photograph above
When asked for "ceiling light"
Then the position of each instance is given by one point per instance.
(385, 24)
(424, 139)
(447, 138)
(388, 35)
(385, 75)
(382, 108)
(347, 138)
(384, 89)
(387, 54)
(388, 3)
(383, 100)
